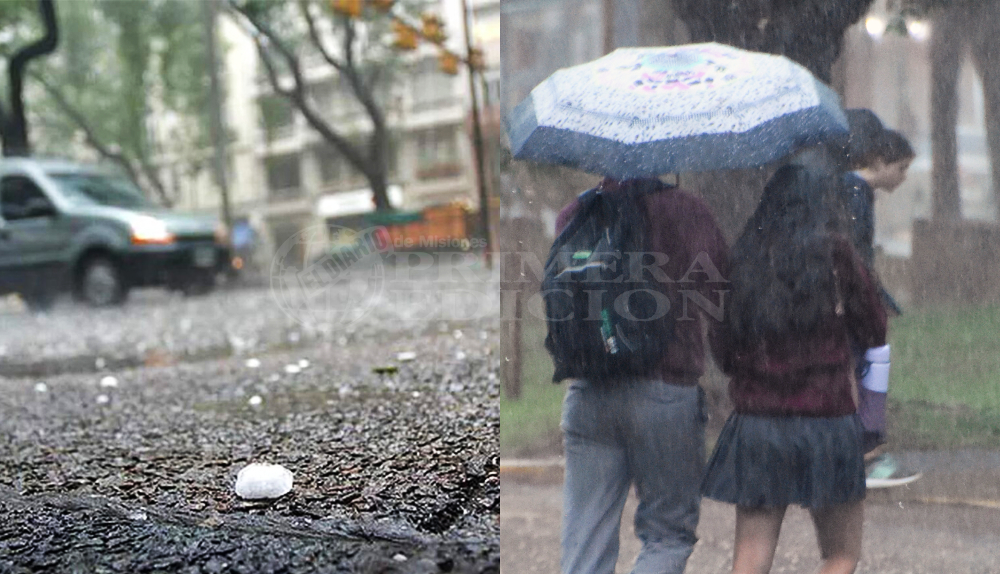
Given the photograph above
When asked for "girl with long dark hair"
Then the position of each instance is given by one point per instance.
(799, 294)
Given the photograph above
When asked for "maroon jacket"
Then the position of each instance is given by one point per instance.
(684, 229)
(812, 375)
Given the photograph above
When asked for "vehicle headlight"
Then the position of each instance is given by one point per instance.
(146, 229)
(222, 233)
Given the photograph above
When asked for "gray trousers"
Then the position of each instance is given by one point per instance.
(647, 433)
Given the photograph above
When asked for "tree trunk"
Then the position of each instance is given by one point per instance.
(659, 24)
(946, 58)
(378, 158)
(215, 111)
(371, 161)
(991, 96)
(380, 189)
(986, 57)
(809, 32)
(608, 16)
(14, 132)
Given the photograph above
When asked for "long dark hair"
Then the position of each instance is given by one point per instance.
(782, 264)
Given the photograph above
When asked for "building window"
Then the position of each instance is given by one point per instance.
(277, 117)
(335, 171)
(431, 87)
(283, 177)
(331, 164)
(285, 236)
(346, 102)
(321, 95)
(437, 153)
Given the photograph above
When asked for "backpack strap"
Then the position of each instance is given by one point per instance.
(587, 202)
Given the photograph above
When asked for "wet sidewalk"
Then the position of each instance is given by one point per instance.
(948, 521)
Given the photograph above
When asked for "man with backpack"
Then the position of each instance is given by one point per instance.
(635, 268)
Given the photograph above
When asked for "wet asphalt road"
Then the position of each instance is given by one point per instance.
(946, 522)
(395, 462)
(900, 537)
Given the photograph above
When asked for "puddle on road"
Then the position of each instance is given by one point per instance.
(284, 403)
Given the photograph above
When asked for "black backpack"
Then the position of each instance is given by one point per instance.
(605, 322)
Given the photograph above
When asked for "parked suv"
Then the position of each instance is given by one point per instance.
(67, 226)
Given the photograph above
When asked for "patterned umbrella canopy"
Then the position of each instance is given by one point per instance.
(641, 112)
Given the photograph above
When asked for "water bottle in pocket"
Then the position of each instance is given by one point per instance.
(872, 394)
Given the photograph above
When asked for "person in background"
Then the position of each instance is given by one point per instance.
(877, 159)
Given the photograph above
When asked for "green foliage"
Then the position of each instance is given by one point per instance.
(116, 56)
(275, 112)
(267, 10)
(532, 422)
(948, 357)
(19, 23)
(943, 387)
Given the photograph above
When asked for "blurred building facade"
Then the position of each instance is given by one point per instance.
(284, 178)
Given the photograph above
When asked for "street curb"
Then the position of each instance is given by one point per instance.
(543, 471)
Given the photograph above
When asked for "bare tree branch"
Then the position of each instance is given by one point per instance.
(374, 77)
(348, 44)
(373, 163)
(315, 37)
(153, 177)
(81, 122)
(298, 97)
(272, 72)
(350, 71)
(274, 41)
(93, 140)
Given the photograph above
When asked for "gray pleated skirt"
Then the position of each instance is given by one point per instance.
(763, 461)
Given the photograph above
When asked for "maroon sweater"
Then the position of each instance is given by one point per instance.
(684, 229)
(811, 375)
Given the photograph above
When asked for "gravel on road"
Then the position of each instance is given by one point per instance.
(395, 461)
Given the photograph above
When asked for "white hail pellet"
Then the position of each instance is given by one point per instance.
(262, 481)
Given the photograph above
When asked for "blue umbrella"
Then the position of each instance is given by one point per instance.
(644, 112)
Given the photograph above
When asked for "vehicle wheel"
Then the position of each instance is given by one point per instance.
(101, 283)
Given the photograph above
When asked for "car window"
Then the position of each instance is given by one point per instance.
(18, 194)
(101, 189)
